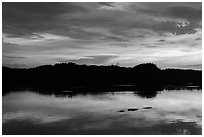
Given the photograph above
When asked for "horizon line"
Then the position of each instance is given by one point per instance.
(99, 65)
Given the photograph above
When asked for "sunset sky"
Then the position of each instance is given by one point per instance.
(128, 34)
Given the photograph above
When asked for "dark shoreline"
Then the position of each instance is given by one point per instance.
(81, 78)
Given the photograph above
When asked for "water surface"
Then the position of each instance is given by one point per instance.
(169, 112)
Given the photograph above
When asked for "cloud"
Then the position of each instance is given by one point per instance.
(12, 57)
(70, 15)
(185, 12)
(194, 66)
(84, 32)
(25, 18)
(107, 4)
(92, 60)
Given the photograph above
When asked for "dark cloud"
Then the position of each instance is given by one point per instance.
(172, 27)
(22, 18)
(161, 40)
(107, 4)
(41, 9)
(188, 13)
(192, 12)
(186, 10)
(198, 39)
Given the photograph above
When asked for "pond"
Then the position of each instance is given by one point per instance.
(109, 113)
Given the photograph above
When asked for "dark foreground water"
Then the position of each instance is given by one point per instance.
(169, 112)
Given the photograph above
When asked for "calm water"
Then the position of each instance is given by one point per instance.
(170, 112)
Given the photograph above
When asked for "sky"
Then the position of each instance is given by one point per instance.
(103, 33)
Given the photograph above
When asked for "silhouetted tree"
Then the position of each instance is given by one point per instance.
(71, 75)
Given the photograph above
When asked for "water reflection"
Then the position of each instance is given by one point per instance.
(169, 112)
